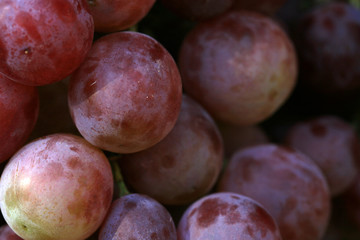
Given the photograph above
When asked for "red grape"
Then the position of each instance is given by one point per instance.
(116, 15)
(289, 185)
(227, 216)
(56, 187)
(19, 107)
(198, 9)
(6, 233)
(333, 144)
(328, 39)
(184, 165)
(240, 66)
(126, 96)
(137, 216)
(43, 41)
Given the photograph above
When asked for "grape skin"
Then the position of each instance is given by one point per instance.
(240, 66)
(126, 96)
(289, 185)
(184, 165)
(42, 42)
(116, 15)
(137, 216)
(19, 107)
(333, 144)
(56, 187)
(327, 40)
(227, 216)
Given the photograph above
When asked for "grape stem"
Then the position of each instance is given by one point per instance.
(119, 183)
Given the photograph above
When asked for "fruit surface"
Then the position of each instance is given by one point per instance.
(240, 66)
(116, 15)
(137, 216)
(56, 187)
(19, 107)
(227, 216)
(182, 167)
(287, 183)
(333, 144)
(42, 42)
(126, 96)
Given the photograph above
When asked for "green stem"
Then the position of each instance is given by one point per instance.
(119, 184)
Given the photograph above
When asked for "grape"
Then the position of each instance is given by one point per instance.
(137, 216)
(327, 40)
(56, 187)
(269, 7)
(112, 16)
(6, 233)
(19, 106)
(126, 96)
(197, 9)
(240, 66)
(182, 167)
(333, 144)
(227, 216)
(54, 115)
(43, 41)
(287, 183)
(239, 137)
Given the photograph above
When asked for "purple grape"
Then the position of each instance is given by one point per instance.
(287, 183)
(333, 144)
(241, 66)
(182, 167)
(137, 216)
(328, 39)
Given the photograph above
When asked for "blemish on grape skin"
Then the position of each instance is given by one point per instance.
(29, 24)
(318, 129)
(168, 161)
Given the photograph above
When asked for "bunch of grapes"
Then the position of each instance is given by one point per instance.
(179, 120)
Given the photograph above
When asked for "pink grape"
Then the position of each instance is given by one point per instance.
(333, 144)
(19, 107)
(241, 66)
(126, 96)
(184, 165)
(287, 183)
(116, 15)
(227, 216)
(137, 216)
(42, 42)
(197, 9)
(56, 187)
